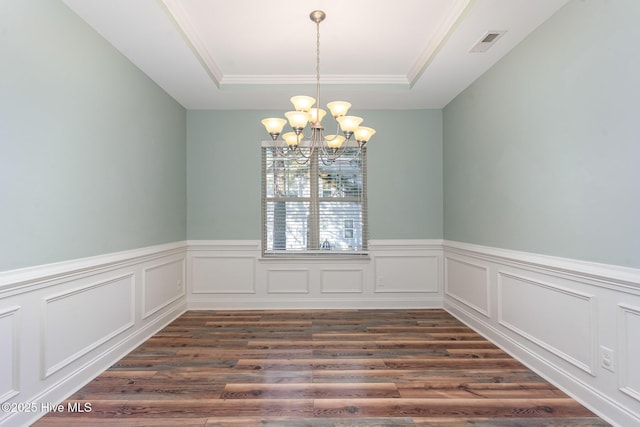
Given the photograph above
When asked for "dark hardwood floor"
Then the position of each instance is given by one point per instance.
(320, 368)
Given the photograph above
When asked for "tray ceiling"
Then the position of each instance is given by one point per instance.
(256, 54)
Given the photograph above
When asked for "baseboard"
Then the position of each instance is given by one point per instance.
(314, 304)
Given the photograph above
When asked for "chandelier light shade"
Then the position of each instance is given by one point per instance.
(314, 115)
(291, 138)
(302, 103)
(307, 111)
(334, 141)
(338, 108)
(274, 126)
(363, 134)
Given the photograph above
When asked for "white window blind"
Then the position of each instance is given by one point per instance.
(314, 208)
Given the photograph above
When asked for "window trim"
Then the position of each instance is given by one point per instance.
(314, 254)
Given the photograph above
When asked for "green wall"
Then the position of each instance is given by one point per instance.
(92, 152)
(404, 173)
(542, 153)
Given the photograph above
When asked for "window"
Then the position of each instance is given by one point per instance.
(313, 208)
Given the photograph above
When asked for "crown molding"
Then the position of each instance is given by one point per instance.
(330, 79)
(459, 10)
(180, 19)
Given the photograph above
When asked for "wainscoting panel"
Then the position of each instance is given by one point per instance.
(162, 284)
(287, 281)
(629, 342)
(66, 332)
(468, 283)
(63, 324)
(406, 273)
(10, 345)
(220, 274)
(558, 316)
(410, 271)
(342, 281)
(534, 310)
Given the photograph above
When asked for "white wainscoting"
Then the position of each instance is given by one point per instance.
(342, 280)
(468, 283)
(555, 315)
(76, 321)
(63, 324)
(288, 280)
(222, 273)
(629, 344)
(234, 275)
(533, 309)
(163, 284)
(10, 345)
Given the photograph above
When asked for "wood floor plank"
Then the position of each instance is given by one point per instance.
(310, 390)
(320, 368)
(398, 343)
(247, 353)
(147, 388)
(481, 390)
(169, 408)
(294, 364)
(508, 422)
(214, 376)
(448, 407)
(128, 421)
(421, 376)
(448, 363)
(309, 422)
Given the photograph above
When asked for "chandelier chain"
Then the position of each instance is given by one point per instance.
(318, 64)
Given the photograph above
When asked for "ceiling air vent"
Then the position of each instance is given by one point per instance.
(488, 40)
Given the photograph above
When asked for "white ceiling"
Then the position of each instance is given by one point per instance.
(256, 54)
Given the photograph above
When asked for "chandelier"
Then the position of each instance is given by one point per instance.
(328, 147)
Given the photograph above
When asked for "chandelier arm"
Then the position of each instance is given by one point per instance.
(329, 155)
(317, 141)
(337, 128)
(323, 149)
(280, 148)
(357, 154)
(302, 159)
(328, 161)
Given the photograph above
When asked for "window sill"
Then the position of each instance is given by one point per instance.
(337, 257)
